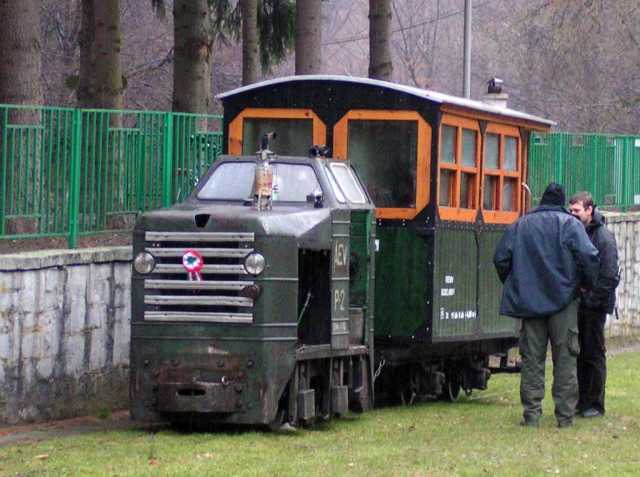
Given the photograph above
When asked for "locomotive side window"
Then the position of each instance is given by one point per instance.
(296, 130)
(390, 151)
(458, 168)
(501, 175)
(348, 183)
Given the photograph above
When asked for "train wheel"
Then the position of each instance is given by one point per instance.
(452, 387)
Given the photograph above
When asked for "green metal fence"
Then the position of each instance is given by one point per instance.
(606, 165)
(72, 172)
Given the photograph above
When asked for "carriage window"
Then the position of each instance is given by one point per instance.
(385, 156)
(448, 144)
(490, 195)
(501, 176)
(492, 151)
(469, 148)
(447, 188)
(296, 131)
(293, 136)
(510, 154)
(458, 168)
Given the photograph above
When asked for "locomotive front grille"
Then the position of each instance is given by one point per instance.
(172, 295)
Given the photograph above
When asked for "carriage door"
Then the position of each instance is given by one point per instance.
(340, 226)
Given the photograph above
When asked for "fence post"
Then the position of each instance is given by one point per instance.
(167, 163)
(4, 159)
(74, 178)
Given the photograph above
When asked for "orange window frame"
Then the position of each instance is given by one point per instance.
(456, 212)
(236, 126)
(423, 146)
(500, 216)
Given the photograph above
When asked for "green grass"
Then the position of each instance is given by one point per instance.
(478, 435)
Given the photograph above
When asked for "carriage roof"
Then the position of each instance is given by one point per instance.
(426, 94)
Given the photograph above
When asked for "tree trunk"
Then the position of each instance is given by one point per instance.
(249, 9)
(308, 37)
(192, 60)
(380, 65)
(86, 93)
(108, 42)
(20, 48)
(20, 83)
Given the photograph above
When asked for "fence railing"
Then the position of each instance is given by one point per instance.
(606, 165)
(73, 172)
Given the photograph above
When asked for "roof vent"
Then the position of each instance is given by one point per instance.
(495, 96)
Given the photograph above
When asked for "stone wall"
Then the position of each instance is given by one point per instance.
(626, 228)
(64, 333)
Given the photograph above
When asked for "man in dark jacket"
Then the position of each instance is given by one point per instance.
(593, 309)
(543, 259)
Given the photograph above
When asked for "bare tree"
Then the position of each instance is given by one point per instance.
(192, 65)
(107, 81)
(20, 47)
(380, 64)
(308, 44)
(250, 50)
(86, 90)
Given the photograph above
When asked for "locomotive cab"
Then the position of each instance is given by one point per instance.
(252, 299)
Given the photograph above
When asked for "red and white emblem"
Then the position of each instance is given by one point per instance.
(192, 261)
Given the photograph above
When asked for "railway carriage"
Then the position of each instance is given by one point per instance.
(401, 293)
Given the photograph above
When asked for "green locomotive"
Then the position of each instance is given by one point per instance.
(254, 301)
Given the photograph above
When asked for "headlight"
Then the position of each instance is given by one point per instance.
(144, 263)
(254, 263)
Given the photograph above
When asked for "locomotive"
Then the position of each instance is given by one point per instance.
(295, 285)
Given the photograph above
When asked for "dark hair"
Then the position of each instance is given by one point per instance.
(584, 197)
(553, 195)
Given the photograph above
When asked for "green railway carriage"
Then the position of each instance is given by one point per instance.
(446, 176)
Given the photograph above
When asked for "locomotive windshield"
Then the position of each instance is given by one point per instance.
(234, 181)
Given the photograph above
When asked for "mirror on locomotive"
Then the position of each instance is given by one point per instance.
(297, 130)
(390, 151)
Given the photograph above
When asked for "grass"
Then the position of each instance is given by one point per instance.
(478, 435)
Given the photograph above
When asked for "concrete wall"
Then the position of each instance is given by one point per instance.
(64, 333)
(626, 228)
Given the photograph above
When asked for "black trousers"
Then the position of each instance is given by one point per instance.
(592, 360)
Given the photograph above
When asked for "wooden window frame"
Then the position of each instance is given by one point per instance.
(236, 126)
(500, 216)
(423, 147)
(456, 212)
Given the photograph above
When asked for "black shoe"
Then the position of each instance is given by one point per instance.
(530, 423)
(591, 412)
(563, 424)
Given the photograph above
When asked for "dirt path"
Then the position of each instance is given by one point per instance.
(118, 420)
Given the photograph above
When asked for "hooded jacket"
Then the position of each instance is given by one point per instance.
(602, 296)
(542, 260)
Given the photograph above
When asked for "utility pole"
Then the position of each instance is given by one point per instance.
(466, 81)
